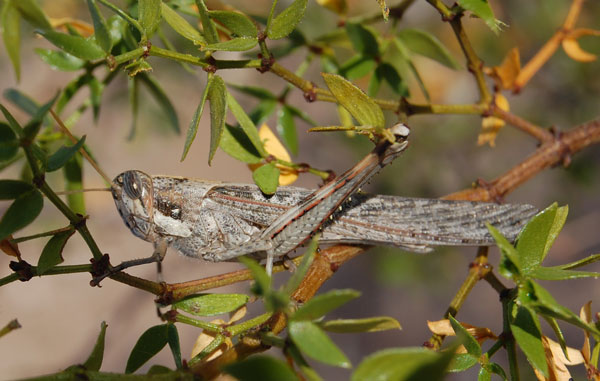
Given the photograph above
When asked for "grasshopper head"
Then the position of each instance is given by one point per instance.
(133, 194)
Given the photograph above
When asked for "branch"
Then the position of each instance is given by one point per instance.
(549, 154)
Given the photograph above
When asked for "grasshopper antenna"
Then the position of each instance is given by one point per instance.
(66, 131)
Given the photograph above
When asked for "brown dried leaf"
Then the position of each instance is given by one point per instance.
(10, 248)
(557, 362)
(508, 71)
(572, 48)
(491, 125)
(444, 328)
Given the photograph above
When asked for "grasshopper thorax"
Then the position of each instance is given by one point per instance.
(133, 195)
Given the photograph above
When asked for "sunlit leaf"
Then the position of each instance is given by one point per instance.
(193, 128)
(285, 22)
(239, 44)
(508, 71)
(482, 9)
(274, 147)
(237, 23)
(217, 96)
(525, 328)
(371, 324)
(362, 108)
(208, 26)
(181, 26)
(149, 15)
(11, 34)
(313, 342)
(237, 145)
(406, 364)
(267, 178)
(246, 124)
(324, 303)
(211, 304)
(260, 276)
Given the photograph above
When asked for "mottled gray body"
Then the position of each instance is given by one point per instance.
(220, 222)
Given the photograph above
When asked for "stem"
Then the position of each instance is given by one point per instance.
(123, 14)
(176, 56)
(39, 235)
(128, 56)
(11, 326)
(247, 325)
(218, 340)
(210, 327)
(541, 134)
(477, 270)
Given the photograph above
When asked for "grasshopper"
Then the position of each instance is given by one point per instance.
(222, 221)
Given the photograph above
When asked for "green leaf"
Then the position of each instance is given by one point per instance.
(64, 154)
(534, 296)
(26, 207)
(239, 44)
(285, 22)
(101, 32)
(181, 26)
(11, 35)
(492, 367)
(59, 60)
(372, 324)
(161, 98)
(465, 338)
(217, 95)
(94, 361)
(210, 31)
(255, 91)
(237, 23)
(261, 368)
(389, 73)
(12, 189)
(362, 108)
(509, 265)
(462, 362)
(261, 278)
(309, 373)
(211, 304)
(414, 364)
(287, 129)
(309, 255)
(267, 178)
(263, 111)
(532, 241)
(246, 124)
(173, 340)
(158, 369)
(193, 128)
(237, 145)
(148, 345)
(313, 342)
(525, 328)
(73, 173)
(22, 101)
(9, 145)
(149, 15)
(426, 44)
(96, 90)
(557, 273)
(52, 253)
(482, 9)
(12, 122)
(33, 126)
(32, 12)
(324, 303)
(484, 375)
(74, 45)
(357, 67)
(363, 40)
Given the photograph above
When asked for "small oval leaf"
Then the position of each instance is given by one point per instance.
(285, 22)
(312, 341)
(362, 108)
(238, 24)
(261, 368)
(217, 95)
(9, 145)
(427, 45)
(525, 328)
(149, 15)
(372, 324)
(52, 252)
(11, 35)
(148, 345)
(193, 128)
(26, 207)
(64, 154)
(101, 32)
(267, 178)
(181, 26)
(324, 303)
(59, 60)
(74, 45)
(237, 145)
(94, 361)
(211, 304)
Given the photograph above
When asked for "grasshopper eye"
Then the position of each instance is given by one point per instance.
(132, 185)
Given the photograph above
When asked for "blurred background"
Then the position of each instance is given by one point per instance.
(61, 315)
